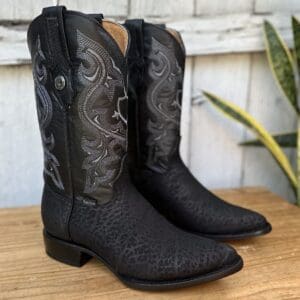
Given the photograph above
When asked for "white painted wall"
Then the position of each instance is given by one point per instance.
(224, 44)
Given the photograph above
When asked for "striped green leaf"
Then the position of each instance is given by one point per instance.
(296, 32)
(281, 63)
(233, 111)
(288, 139)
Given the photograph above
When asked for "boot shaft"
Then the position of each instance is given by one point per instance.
(156, 64)
(79, 70)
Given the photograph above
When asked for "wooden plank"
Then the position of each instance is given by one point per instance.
(25, 10)
(216, 159)
(186, 111)
(116, 8)
(229, 33)
(16, 11)
(209, 35)
(271, 271)
(13, 45)
(166, 8)
(278, 6)
(268, 106)
(217, 7)
(20, 147)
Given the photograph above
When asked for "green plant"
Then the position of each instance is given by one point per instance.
(285, 68)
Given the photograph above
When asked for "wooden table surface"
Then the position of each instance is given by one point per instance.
(271, 270)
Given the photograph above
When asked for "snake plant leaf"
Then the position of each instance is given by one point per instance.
(296, 32)
(288, 139)
(233, 111)
(281, 63)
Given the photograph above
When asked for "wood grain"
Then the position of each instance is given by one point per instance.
(271, 6)
(217, 7)
(21, 156)
(166, 8)
(116, 8)
(230, 33)
(16, 10)
(216, 158)
(236, 33)
(271, 271)
(267, 104)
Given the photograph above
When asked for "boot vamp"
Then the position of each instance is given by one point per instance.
(179, 196)
(134, 239)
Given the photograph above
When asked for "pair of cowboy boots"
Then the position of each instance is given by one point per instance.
(115, 185)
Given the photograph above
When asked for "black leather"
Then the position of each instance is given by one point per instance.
(157, 169)
(140, 243)
(94, 203)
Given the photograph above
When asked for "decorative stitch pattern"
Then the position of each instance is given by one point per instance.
(163, 101)
(45, 112)
(100, 110)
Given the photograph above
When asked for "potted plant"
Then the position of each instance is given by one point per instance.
(285, 66)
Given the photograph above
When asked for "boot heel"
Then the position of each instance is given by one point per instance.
(64, 251)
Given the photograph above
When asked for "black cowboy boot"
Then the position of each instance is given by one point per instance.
(90, 208)
(156, 67)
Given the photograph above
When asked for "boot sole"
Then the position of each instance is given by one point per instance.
(238, 236)
(76, 255)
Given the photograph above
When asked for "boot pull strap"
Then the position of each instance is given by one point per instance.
(162, 25)
(136, 50)
(59, 58)
(98, 17)
(55, 27)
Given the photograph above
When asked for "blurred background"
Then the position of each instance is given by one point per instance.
(225, 55)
